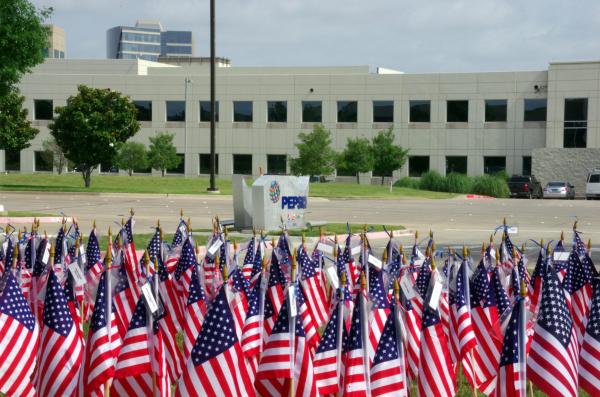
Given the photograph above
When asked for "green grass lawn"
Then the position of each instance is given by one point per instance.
(19, 214)
(73, 182)
(338, 228)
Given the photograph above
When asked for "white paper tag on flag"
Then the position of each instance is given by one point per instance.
(4, 247)
(407, 288)
(213, 248)
(436, 294)
(355, 250)
(78, 276)
(561, 256)
(82, 249)
(149, 298)
(375, 262)
(325, 248)
(332, 277)
(292, 300)
(46, 255)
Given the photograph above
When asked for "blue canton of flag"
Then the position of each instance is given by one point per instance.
(93, 250)
(500, 295)
(187, 259)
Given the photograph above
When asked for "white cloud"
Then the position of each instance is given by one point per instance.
(433, 35)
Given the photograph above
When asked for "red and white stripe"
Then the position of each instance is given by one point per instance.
(59, 361)
(101, 354)
(579, 305)
(316, 300)
(412, 324)
(173, 354)
(436, 373)
(486, 355)
(387, 380)
(194, 317)
(589, 365)
(377, 319)
(462, 335)
(354, 374)
(133, 371)
(251, 336)
(326, 372)
(17, 357)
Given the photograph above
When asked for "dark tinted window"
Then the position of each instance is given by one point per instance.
(12, 160)
(144, 110)
(180, 169)
(575, 137)
(576, 109)
(456, 164)
(276, 164)
(205, 111)
(347, 111)
(535, 110)
(277, 111)
(43, 109)
(383, 111)
(457, 111)
(575, 124)
(594, 178)
(242, 111)
(175, 111)
(242, 164)
(312, 111)
(418, 165)
(557, 184)
(43, 161)
(526, 165)
(205, 163)
(420, 111)
(518, 179)
(108, 167)
(494, 164)
(495, 110)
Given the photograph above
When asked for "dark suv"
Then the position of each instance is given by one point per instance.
(525, 186)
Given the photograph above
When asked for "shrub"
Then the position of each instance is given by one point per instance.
(489, 185)
(458, 183)
(432, 180)
(411, 183)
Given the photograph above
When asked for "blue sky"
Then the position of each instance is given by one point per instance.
(412, 36)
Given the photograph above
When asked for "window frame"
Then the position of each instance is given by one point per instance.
(412, 173)
(380, 102)
(320, 111)
(489, 104)
(251, 120)
(272, 111)
(419, 102)
(171, 119)
(525, 110)
(340, 110)
(456, 101)
(136, 102)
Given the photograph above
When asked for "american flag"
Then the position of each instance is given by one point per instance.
(216, 366)
(183, 272)
(102, 343)
(535, 286)
(248, 264)
(387, 375)
(251, 333)
(578, 243)
(94, 261)
(356, 370)
(328, 357)
(133, 370)
(125, 297)
(257, 265)
(238, 298)
(589, 356)
(500, 294)
(60, 245)
(311, 329)
(180, 234)
(511, 375)
(553, 357)
(578, 284)
(379, 311)
(60, 354)
(312, 287)
(484, 316)
(462, 336)
(436, 375)
(275, 294)
(194, 314)
(560, 265)
(18, 341)
(131, 260)
(412, 321)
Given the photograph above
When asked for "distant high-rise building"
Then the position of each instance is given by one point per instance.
(56, 42)
(148, 40)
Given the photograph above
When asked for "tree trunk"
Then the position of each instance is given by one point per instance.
(130, 172)
(87, 176)
(163, 171)
(382, 180)
(357, 178)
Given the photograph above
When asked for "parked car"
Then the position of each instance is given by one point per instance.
(592, 188)
(524, 186)
(561, 190)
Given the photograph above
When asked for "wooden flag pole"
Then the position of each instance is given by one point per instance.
(107, 266)
(292, 326)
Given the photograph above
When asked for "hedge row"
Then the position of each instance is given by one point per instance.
(487, 185)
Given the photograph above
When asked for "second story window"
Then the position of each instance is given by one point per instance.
(277, 112)
(312, 111)
(205, 111)
(383, 111)
(420, 111)
(242, 111)
(347, 111)
(535, 109)
(43, 109)
(457, 111)
(144, 110)
(175, 111)
(495, 110)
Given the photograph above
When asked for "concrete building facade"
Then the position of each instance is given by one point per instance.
(464, 122)
(57, 42)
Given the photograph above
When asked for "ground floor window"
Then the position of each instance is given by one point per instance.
(242, 164)
(180, 169)
(43, 161)
(418, 165)
(12, 160)
(526, 165)
(494, 164)
(276, 164)
(456, 164)
(205, 163)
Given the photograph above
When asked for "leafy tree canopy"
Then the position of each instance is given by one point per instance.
(15, 130)
(357, 156)
(92, 126)
(162, 154)
(315, 155)
(387, 156)
(132, 156)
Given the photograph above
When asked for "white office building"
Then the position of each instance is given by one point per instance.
(545, 121)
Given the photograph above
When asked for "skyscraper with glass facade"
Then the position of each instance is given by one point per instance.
(147, 40)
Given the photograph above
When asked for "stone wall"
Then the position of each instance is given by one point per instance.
(571, 165)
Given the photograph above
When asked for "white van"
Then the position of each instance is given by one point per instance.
(592, 189)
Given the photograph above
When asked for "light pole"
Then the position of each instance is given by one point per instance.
(213, 186)
(185, 135)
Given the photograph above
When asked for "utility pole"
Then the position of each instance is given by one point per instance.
(213, 165)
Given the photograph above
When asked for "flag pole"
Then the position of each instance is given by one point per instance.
(292, 321)
(465, 274)
(365, 333)
(399, 337)
(107, 263)
(340, 331)
(522, 340)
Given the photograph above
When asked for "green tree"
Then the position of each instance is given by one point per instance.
(357, 156)
(23, 38)
(131, 156)
(387, 156)
(54, 154)
(93, 125)
(162, 153)
(15, 130)
(315, 155)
